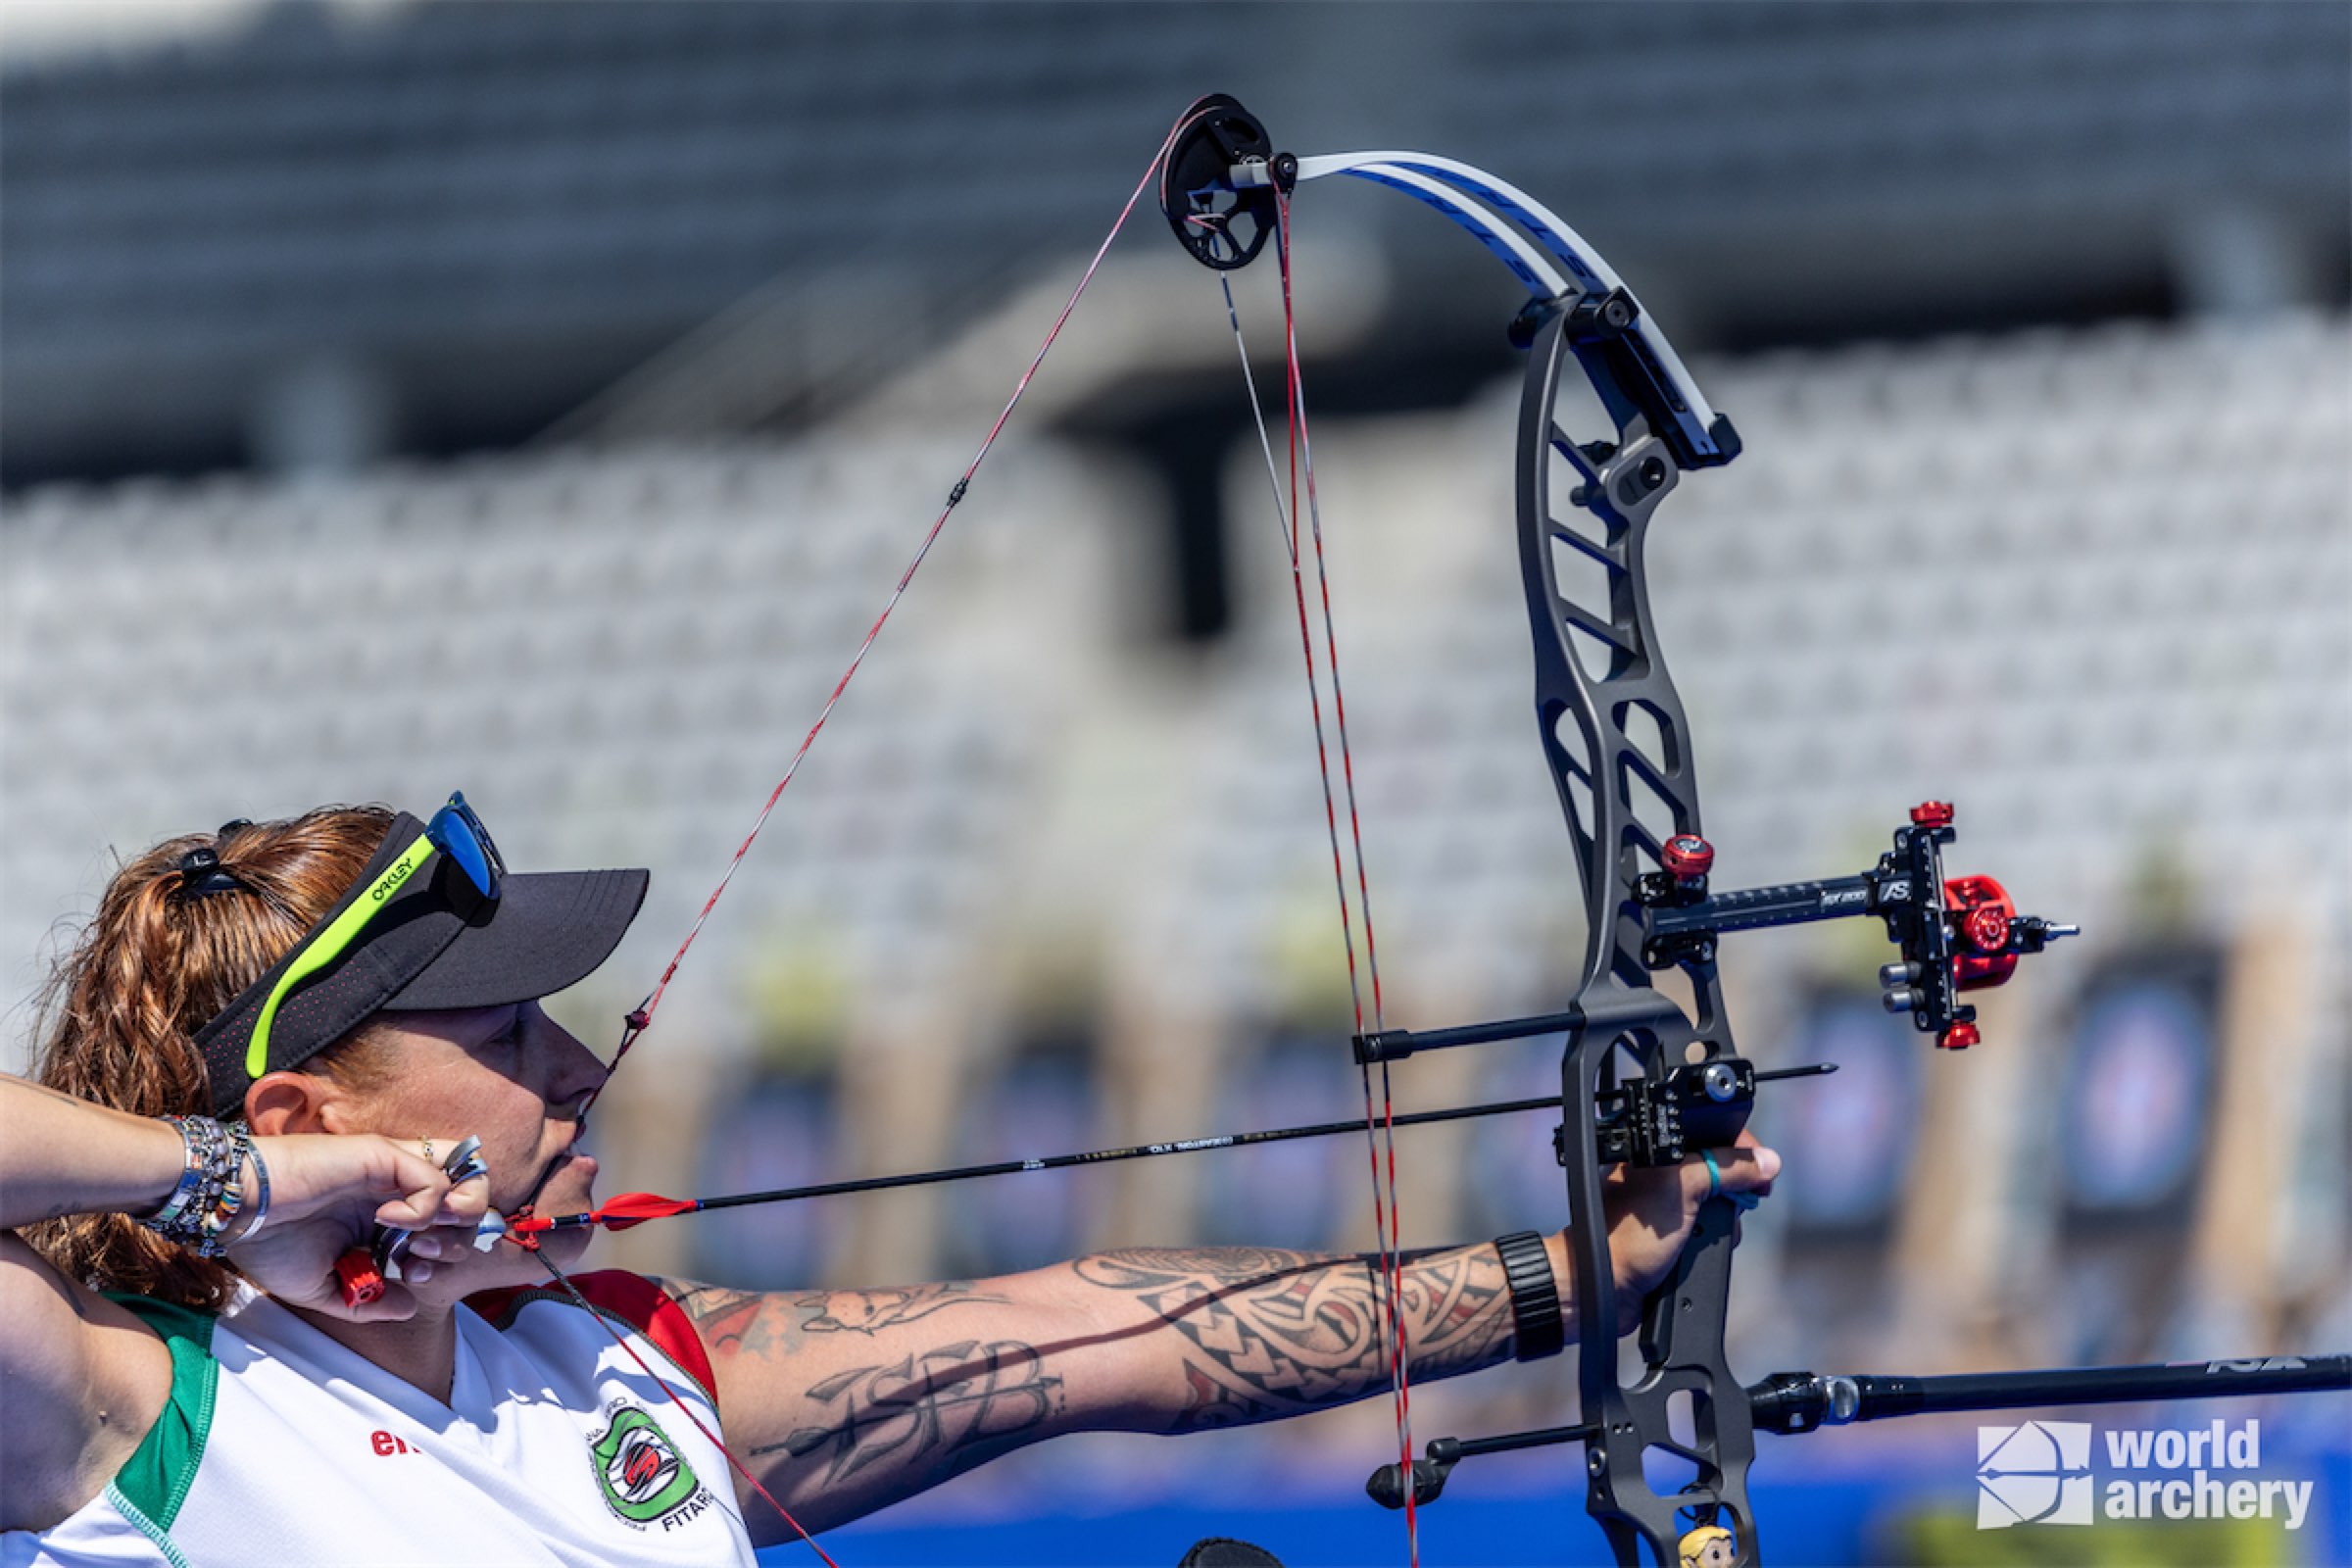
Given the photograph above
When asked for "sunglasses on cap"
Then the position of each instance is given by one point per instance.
(454, 835)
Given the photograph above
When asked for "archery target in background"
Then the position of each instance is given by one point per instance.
(1855, 1128)
(2129, 1140)
(1295, 1195)
(2138, 1090)
(774, 1129)
(1046, 1101)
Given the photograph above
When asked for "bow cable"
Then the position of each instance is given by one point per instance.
(1379, 1122)
(1390, 1244)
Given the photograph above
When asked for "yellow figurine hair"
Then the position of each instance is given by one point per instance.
(1709, 1547)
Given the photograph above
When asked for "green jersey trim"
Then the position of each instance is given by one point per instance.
(154, 1482)
(157, 1538)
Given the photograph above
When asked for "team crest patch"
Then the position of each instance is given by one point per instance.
(644, 1478)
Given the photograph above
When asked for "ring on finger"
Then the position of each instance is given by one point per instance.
(1744, 1202)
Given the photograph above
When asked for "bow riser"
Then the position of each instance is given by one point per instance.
(1597, 664)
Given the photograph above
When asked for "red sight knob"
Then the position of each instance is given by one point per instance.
(1687, 856)
(1986, 928)
(1932, 813)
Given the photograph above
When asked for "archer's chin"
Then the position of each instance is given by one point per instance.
(569, 1189)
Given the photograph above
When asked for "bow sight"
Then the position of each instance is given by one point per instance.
(1957, 934)
(1616, 740)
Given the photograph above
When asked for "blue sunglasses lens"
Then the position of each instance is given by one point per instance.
(459, 834)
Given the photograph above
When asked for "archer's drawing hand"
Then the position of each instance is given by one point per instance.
(1653, 1211)
(326, 1194)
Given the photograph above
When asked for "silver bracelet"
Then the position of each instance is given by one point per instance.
(247, 1149)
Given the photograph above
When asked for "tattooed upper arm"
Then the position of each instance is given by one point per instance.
(730, 1322)
(768, 1323)
(851, 1400)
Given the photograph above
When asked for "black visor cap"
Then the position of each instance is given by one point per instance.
(548, 931)
(436, 947)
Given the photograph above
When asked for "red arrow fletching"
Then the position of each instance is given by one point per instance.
(635, 1209)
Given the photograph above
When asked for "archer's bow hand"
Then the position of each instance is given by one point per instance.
(1653, 1211)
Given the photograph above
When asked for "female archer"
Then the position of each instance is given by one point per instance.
(269, 1040)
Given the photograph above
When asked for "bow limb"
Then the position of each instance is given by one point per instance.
(1479, 201)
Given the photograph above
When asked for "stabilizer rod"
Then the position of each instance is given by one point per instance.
(1800, 1402)
(1793, 1402)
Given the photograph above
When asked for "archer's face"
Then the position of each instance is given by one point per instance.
(515, 1079)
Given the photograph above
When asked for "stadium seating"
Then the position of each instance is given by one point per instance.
(2089, 587)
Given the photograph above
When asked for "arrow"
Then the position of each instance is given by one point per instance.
(635, 1209)
(621, 1212)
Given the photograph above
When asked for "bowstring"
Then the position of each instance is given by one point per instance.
(1379, 1123)
(683, 1408)
(1379, 1120)
(641, 1018)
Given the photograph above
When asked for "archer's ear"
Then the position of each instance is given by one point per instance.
(282, 1102)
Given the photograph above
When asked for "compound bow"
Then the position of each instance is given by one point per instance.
(1617, 742)
(1643, 1082)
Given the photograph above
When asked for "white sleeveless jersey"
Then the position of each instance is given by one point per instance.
(279, 1445)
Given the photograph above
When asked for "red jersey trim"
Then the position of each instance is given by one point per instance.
(632, 1300)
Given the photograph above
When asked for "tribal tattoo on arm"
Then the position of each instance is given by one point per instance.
(1268, 1333)
(859, 1398)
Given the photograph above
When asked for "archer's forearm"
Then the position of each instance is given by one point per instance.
(60, 1155)
(1223, 1336)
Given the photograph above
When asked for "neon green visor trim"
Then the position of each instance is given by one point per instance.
(332, 942)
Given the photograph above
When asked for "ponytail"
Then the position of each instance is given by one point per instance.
(179, 933)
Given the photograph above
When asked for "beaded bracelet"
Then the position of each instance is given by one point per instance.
(219, 1218)
(209, 1194)
(191, 1171)
(205, 1147)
